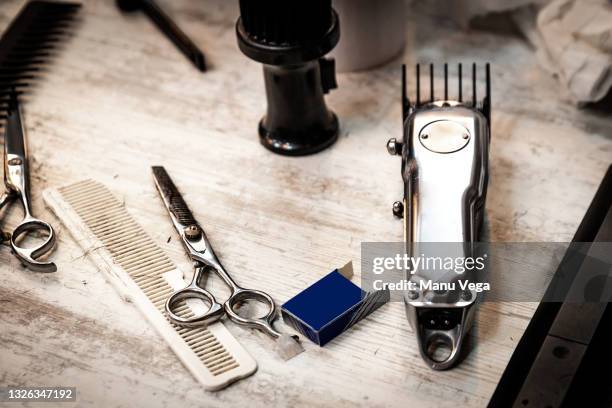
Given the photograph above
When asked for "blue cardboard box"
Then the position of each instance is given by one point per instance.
(329, 307)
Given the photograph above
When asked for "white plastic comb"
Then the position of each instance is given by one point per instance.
(143, 273)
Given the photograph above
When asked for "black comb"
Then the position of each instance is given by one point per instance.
(28, 43)
(484, 106)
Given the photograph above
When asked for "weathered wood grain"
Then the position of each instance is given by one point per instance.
(119, 98)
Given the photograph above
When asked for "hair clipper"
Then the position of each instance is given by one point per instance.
(445, 168)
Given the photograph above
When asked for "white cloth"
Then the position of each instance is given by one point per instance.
(572, 38)
(577, 46)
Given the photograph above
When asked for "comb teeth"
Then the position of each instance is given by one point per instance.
(177, 205)
(101, 225)
(483, 106)
(29, 42)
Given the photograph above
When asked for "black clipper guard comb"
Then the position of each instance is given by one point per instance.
(484, 106)
(445, 166)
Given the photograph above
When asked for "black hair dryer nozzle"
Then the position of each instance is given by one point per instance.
(290, 38)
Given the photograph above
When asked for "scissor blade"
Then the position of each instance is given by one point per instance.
(180, 213)
(14, 135)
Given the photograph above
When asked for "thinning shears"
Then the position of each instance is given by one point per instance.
(17, 182)
(201, 252)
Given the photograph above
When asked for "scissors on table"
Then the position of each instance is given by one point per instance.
(17, 183)
(201, 252)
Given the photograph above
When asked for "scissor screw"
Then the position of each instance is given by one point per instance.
(466, 295)
(192, 232)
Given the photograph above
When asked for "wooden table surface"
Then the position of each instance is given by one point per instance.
(118, 98)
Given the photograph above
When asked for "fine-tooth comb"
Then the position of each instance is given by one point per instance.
(28, 43)
(142, 272)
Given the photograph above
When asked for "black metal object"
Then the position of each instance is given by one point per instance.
(168, 27)
(27, 44)
(563, 356)
(290, 39)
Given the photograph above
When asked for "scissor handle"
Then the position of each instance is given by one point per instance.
(28, 255)
(264, 323)
(193, 291)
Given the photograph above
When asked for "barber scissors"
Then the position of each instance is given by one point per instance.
(17, 183)
(201, 252)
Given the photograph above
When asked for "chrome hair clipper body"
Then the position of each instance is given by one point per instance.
(445, 172)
